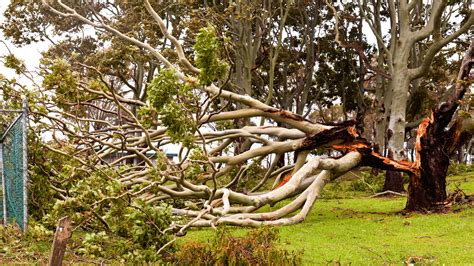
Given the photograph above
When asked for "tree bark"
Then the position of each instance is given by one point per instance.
(396, 128)
(427, 190)
(394, 181)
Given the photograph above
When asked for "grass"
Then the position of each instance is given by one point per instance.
(464, 181)
(373, 231)
(343, 228)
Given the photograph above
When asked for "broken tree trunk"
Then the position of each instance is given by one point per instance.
(427, 190)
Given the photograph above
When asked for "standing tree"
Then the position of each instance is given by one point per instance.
(418, 31)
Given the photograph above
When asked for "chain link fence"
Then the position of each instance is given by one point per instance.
(13, 168)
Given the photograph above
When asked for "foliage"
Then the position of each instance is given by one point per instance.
(115, 248)
(11, 61)
(60, 78)
(368, 182)
(258, 247)
(34, 247)
(110, 214)
(224, 125)
(337, 78)
(9, 240)
(147, 116)
(142, 223)
(459, 168)
(197, 168)
(163, 87)
(135, 234)
(17, 247)
(179, 125)
(38, 232)
(171, 100)
(206, 56)
(48, 171)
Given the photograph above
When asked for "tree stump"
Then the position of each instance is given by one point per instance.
(62, 235)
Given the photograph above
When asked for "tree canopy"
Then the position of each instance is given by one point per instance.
(264, 101)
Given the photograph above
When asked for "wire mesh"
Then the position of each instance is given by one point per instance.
(13, 160)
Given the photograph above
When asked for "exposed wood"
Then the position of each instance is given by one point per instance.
(284, 180)
(330, 137)
(374, 159)
(427, 190)
(61, 237)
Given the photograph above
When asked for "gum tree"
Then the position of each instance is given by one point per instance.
(418, 31)
(188, 103)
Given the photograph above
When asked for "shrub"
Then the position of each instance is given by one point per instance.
(135, 233)
(194, 253)
(459, 168)
(368, 182)
(258, 247)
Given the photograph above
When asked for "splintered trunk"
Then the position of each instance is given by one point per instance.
(427, 191)
(435, 144)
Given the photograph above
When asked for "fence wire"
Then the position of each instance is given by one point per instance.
(13, 207)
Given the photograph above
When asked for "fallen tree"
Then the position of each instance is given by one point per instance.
(188, 103)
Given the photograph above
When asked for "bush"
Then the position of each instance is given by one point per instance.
(258, 247)
(194, 253)
(116, 225)
(456, 168)
(135, 233)
(368, 182)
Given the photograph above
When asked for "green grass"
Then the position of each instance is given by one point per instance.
(342, 228)
(373, 231)
(464, 181)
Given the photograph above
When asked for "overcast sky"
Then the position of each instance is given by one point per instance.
(29, 54)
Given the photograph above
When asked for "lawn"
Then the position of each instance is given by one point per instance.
(374, 231)
(344, 227)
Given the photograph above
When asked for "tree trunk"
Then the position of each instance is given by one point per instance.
(460, 154)
(247, 42)
(396, 128)
(394, 181)
(427, 190)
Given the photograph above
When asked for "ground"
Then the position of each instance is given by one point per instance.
(373, 230)
(345, 227)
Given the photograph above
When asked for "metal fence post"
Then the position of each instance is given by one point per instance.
(4, 194)
(25, 164)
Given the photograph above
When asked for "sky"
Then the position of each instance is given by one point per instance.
(30, 54)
